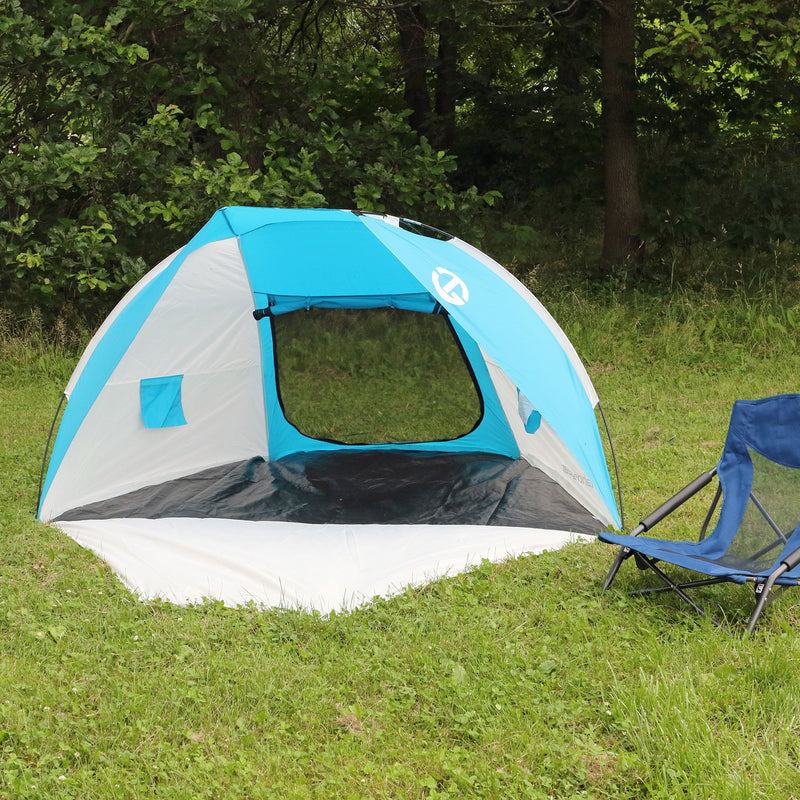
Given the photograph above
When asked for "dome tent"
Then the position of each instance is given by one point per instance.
(175, 462)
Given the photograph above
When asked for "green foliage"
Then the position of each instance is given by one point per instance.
(720, 123)
(126, 127)
(734, 194)
(530, 116)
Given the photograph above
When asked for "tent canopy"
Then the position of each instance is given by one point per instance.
(175, 461)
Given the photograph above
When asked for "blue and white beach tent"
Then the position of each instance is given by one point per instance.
(175, 462)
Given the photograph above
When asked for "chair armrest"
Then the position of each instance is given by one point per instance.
(678, 499)
(792, 560)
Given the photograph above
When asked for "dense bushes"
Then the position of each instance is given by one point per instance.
(123, 133)
(124, 125)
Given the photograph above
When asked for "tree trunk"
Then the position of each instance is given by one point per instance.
(446, 84)
(623, 205)
(412, 27)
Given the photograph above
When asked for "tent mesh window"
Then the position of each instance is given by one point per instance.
(374, 376)
(764, 530)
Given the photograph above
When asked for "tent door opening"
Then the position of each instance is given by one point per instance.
(374, 376)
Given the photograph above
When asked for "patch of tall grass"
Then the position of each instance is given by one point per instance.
(707, 327)
(31, 347)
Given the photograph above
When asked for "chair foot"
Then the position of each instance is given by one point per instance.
(762, 592)
(762, 601)
(622, 554)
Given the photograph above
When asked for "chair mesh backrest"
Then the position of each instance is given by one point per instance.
(771, 515)
(760, 477)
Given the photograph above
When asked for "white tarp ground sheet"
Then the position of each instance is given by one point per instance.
(294, 565)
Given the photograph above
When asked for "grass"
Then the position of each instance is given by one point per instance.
(518, 680)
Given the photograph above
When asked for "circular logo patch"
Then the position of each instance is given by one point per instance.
(449, 286)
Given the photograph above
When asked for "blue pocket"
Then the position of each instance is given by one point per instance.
(161, 402)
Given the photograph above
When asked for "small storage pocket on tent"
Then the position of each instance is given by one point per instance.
(528, 414)
(161, 402)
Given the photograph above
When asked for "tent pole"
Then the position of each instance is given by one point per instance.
(616, 466)
(47, 450)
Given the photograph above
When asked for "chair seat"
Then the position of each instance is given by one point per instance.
(697, 556)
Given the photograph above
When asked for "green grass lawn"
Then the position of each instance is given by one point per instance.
(518, 680)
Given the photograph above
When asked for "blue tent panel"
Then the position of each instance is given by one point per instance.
(327, 259)
(490, 435)
(501, 322)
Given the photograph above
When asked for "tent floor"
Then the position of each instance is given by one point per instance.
(354, 487)
(294, 565)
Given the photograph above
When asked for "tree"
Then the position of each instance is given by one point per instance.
(721, 93)
(412, 29)
(418, 25)
(623, 205)
(125, 125)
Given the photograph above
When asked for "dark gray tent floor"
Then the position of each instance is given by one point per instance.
(357, 487)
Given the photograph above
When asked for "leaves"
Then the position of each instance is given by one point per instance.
(125, 130)
(158, 113)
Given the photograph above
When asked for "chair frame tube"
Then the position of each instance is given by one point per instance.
(654, 517)
(763, 589)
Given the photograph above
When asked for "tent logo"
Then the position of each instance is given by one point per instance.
(449, 286)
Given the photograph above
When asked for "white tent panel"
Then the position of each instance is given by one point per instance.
(544, 449)
(111, 318)
(294, 565)
(201, 328)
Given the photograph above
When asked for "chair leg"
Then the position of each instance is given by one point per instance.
(763, 590)
(675, 587)
(686, 585)
(760, 604)
(622, 554)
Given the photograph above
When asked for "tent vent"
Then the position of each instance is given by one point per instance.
(425, 230)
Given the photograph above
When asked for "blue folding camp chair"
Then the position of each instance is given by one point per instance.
(757, 535)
